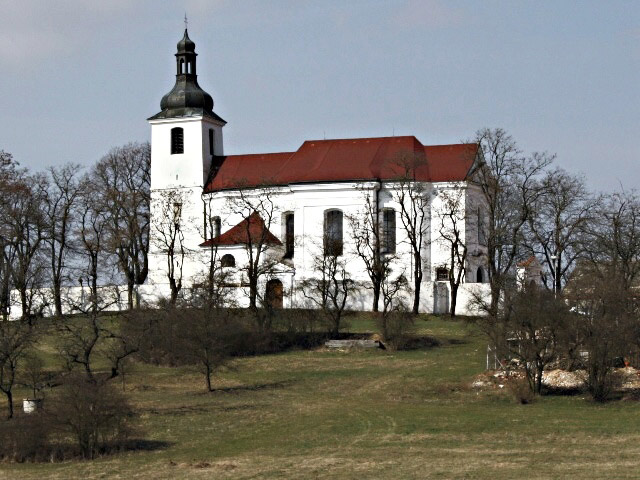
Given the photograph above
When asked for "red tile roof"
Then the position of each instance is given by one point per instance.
(343, 160)
(249, 230)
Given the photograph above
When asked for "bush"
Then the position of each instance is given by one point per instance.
(164, 342)
(520, 390)
(602, 380)
(396, 328)
(26, 438)
(96, 416)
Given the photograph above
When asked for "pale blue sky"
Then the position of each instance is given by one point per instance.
(80, 76)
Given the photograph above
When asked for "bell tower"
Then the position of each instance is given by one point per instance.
(186, 134)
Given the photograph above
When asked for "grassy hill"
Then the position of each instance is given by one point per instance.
(361, 414)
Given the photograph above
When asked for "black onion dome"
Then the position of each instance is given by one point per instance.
(187, 94)
(186, 44)
(186, 98)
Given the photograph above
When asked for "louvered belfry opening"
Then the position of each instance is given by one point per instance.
(177, 140)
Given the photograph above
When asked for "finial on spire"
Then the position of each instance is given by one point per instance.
(185, 20)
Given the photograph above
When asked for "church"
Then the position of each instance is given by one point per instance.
(291, 209)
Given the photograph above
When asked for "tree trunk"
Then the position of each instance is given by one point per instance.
(130, 293)
(174, 290)
(57, 296)
(454, 299)
(376, 297)
(24, 303)
(208, 377)
(417, 276)
(539, 371)
(253, 293)
(495, 298)
(9, 395)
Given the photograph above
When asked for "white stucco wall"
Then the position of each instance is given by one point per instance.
(184, 175)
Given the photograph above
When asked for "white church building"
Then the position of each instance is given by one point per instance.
(200, 199)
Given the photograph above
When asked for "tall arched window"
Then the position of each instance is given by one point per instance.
(289, 237)
(333, 232)
(216, 225)
(177, 140)
(388, 231)
(211, 142)
(480, 275)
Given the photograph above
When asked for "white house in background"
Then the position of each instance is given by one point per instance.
(315, 189)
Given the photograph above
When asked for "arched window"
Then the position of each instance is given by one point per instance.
(211, 142)
(181, 66)
(216, 225)
(388, 231)
(289, 237)
(480, 275)
(333, 232)
(177, 140)
(442, 274)
(228, 260)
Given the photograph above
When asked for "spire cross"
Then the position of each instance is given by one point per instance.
(185, 20)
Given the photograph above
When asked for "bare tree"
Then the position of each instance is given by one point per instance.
(61, 203)
(394, 320)
(558, 219)
(33, 374)
(366, 233)
(450, 213)
(214, 291)
(170, 238)
(26, 225)
(82, 336)
(533, 320)
(603, 289)
(413, 199)
(258, 209)
(9, 174)
(508, 181)
(124, 177)
(207, 338)
(604, 324)
(95, 415)
(612, 239)
(16, 338)
(330, 288)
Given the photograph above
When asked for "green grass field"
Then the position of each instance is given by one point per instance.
(361, 414)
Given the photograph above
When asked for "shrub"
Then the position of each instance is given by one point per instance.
(95, 415)
(26, 438)
(396, 328)
(520, 389)
(602, 380)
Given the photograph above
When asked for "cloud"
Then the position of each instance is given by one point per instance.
(428, 14)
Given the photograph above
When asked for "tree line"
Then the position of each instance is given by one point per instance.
(66, 226)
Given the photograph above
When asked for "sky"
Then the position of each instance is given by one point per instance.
(80, 76)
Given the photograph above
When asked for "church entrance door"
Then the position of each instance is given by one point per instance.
(274, 293)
